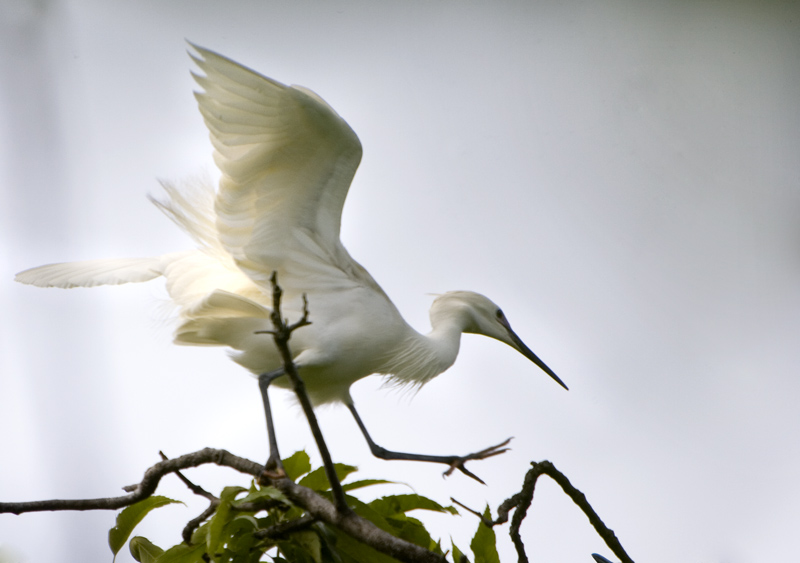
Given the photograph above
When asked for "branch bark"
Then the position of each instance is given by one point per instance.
(608, 535)
(143, 489)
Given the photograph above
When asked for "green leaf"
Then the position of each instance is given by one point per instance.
(265, 493)
(400, 504)
(458, 556)
(239, 540)
(318, 481)
(366, 483)
(183, 553)
(366, 511)
(357, 551)
(310, 543)
(484, 543)
(221, 517)
(143, 550)
(412, 530)
(130, 517)
(296, 465)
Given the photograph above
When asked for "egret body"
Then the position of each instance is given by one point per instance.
(287, 160)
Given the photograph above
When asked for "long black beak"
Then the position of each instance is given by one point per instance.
(528, 353)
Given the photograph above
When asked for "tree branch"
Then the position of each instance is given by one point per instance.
(608, 535)
(195, 522)
(144, 489)
(196, 489)
(315, 505)
(522, 500)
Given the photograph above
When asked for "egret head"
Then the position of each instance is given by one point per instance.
(480, 315)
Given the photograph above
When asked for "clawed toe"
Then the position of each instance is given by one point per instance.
(269, 475)
(273, 470)
(458, 462)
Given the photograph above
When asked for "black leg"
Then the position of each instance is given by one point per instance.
(274, 461)
(274, 467)
(454, 461)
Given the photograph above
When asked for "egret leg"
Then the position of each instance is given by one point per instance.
(454, 461)
(273, 467)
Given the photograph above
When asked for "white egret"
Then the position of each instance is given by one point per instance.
(287, 160)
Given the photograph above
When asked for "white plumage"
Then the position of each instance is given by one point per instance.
(287, 160)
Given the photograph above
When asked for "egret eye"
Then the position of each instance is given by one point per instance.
(499, 314)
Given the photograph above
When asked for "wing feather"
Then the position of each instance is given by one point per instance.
(287, 160)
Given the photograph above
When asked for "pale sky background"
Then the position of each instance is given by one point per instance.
(623, 178)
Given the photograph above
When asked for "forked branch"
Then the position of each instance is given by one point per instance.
(521, 501)
(282, 334)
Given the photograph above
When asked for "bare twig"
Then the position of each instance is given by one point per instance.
(579, 498)
(486, 522)
(192, 524)
(521, 501)
(282, 334)
(214, 501)
(196, 489)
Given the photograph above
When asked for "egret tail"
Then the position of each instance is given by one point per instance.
(91, 273)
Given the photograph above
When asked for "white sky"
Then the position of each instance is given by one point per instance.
(621, 177)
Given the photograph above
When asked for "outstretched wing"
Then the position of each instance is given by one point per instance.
(287, 160)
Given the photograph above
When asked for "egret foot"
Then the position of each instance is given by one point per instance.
(267, 476)
(454, 461)
(273, 469)
(491, 451)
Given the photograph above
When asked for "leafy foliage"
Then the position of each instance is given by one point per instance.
(130, 517)
(144, 550)
(261, 524)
